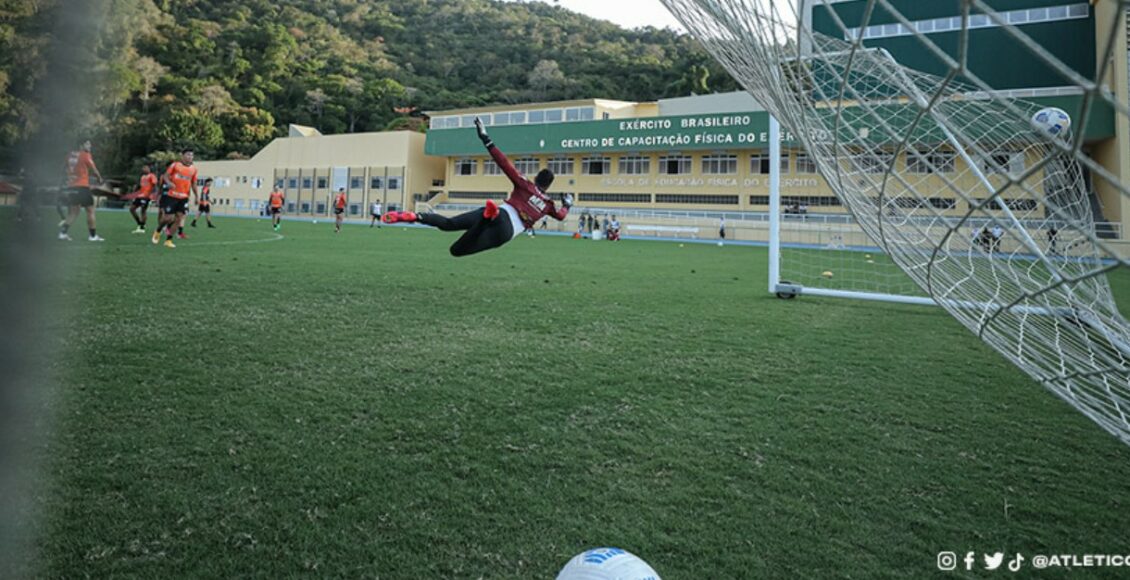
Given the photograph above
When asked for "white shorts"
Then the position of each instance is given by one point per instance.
(515, 221)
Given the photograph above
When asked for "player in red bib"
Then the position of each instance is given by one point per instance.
(205, 204)
(145, 193)
(181, 179)
(495, 225)
(79, 167)
(339, 209)
(275, 201)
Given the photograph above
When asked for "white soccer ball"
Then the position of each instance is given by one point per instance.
(607, 564)
(1052, 120)
(719, 243)
(315, 222)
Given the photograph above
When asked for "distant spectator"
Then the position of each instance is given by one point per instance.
(375, 214)
(997, 233)
(722, 228)
(614, 230)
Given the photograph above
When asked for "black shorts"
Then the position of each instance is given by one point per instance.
(80, 196)
(204, 208)
(174, 205)
(142, 202)
(276, 210)
(338, 211)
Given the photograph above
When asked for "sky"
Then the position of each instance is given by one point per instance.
(626, 13)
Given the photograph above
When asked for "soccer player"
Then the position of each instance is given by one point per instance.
(181, 178)
(484, 230)
(339, 209)
(79, 166)
(205, 204)
(146, 191)
(375, 214)
(276, 202)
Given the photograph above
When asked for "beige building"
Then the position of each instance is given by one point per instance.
(388, 167)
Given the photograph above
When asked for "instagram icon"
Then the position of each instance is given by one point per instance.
(947, 561)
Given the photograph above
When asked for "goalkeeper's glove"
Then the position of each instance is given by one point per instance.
(567, 200)
(482, 133)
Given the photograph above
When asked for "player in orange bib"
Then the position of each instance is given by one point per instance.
(181, 179)
(205, 204)
(79, 167)
(339, 208)
(145, 193)
(276, 205)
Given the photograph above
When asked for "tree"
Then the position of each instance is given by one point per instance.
(545, 76)
(191, 128)
(149, 71)
(214, 101)
(316, 102)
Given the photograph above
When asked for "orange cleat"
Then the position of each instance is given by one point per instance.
(398, 216)
(491, 210)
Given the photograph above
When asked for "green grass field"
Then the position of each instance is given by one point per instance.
(363, 405)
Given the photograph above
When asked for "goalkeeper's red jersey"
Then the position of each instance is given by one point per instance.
(530, 203)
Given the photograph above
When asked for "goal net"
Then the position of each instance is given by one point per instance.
(971, 195)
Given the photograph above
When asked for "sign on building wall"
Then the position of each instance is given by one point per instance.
(725, 131)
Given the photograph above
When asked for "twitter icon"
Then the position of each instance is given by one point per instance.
(994, 561)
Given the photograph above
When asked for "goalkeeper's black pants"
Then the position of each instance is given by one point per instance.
(481, 233)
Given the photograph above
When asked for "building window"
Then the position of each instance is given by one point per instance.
(465, 167)
(491, 168)
(675, 164)
(1003, 162)
(930, 162)
(805, 164)
(798, 200)
(596, 166)
(475, 195)
(635, 165)
(554, 115)
(580, 114)
(720, 164)
(874, 161)
(292, 183)
(322, 183)
(355, 183)
(1013, 204)
(615, 197)
(307, 182)
(502, 119)
(759, 163)
(393, 183)
(561, 165)
(279, 183)
(537, 117)
(679, 198)
(526, 165)
(376, 183)
(948, 23)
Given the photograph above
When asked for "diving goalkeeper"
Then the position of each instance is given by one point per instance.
(494, 225)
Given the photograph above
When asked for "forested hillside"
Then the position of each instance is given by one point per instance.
(227, 76)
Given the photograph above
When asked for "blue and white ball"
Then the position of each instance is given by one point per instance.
(1052, 120)
(607, 564)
